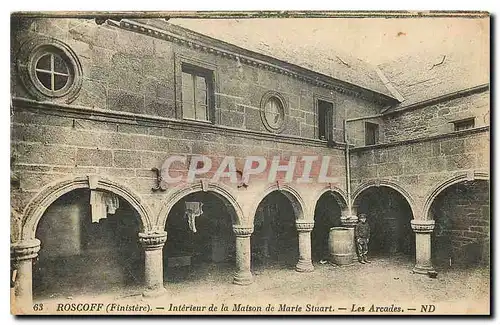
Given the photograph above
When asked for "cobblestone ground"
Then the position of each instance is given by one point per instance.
(384, 282)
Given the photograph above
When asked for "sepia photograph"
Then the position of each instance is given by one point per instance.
(250, 163)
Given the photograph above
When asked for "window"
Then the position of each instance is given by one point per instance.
(197, 93)
(464, 124)
(325, 120)
(52, 72)
(49, 70)
(371, 133)
(273, 108)
(273, 111)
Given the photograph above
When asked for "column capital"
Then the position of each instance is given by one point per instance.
(422, 226)
(25, 249)
(242, 231)
(349, 221)
(304, 226)
(153, 240)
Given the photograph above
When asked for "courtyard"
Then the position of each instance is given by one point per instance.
(387, 282)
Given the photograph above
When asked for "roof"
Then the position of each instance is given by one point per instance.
(426, 75)
(316, 56)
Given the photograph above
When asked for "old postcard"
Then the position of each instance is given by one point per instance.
(277, 163)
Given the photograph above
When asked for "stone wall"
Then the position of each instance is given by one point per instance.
(437, 119)
(127, 71)
(462, 234)
(420, 166)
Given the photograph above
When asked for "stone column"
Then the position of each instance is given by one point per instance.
(304, 232)
(243, 275)
(423, 230)
(153, 243)
(22, 255)
(350, 221)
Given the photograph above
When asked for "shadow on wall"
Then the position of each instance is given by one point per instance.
(188, 255)
(78, 255)
(326, 215)
(275, 240)
(389, 216)
(461, 237)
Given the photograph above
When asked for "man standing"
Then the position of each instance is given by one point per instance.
(362, 236)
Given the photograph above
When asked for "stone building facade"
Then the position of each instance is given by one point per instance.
(97, 107)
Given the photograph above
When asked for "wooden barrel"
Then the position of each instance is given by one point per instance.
(341, 245)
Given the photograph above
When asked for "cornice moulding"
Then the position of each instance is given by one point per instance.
(261, 61)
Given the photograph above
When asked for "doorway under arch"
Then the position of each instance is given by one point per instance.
(274, 241)
(389, 214)
(199, 243)
(326, 215)
(461, 236)
(79, 255)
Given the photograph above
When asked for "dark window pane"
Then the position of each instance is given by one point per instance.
(325, 120)
(464, 125)
(60, 81)
(44, 79)
(371, 133)
(59, 65)
(44, 62)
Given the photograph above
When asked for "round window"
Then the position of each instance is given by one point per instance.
(273, 112)
(52, 72)
(49, 69)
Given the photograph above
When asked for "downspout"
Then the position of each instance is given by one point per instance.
(348, 169)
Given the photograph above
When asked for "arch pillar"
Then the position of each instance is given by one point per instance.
(304, 232)
(243, 275)
(22, 255)
(423, 230)
(153, 243)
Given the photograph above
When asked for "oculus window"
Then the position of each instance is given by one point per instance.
(49, 69)
(272, 111)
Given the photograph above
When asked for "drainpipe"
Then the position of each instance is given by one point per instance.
(348, 170)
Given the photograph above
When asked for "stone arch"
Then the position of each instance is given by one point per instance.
(219, 190)
(449, 182)
(298, 204)
(385, 183)
(338, 194)
(37, 206)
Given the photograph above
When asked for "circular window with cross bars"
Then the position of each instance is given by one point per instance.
(273, 111)
(49, 69)
(53, 73)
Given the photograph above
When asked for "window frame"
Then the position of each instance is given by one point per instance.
(38, 83)
(376, 137)
(464, 121)
(268, 96)
(203, 69)
(31, 51)
(330, 120)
